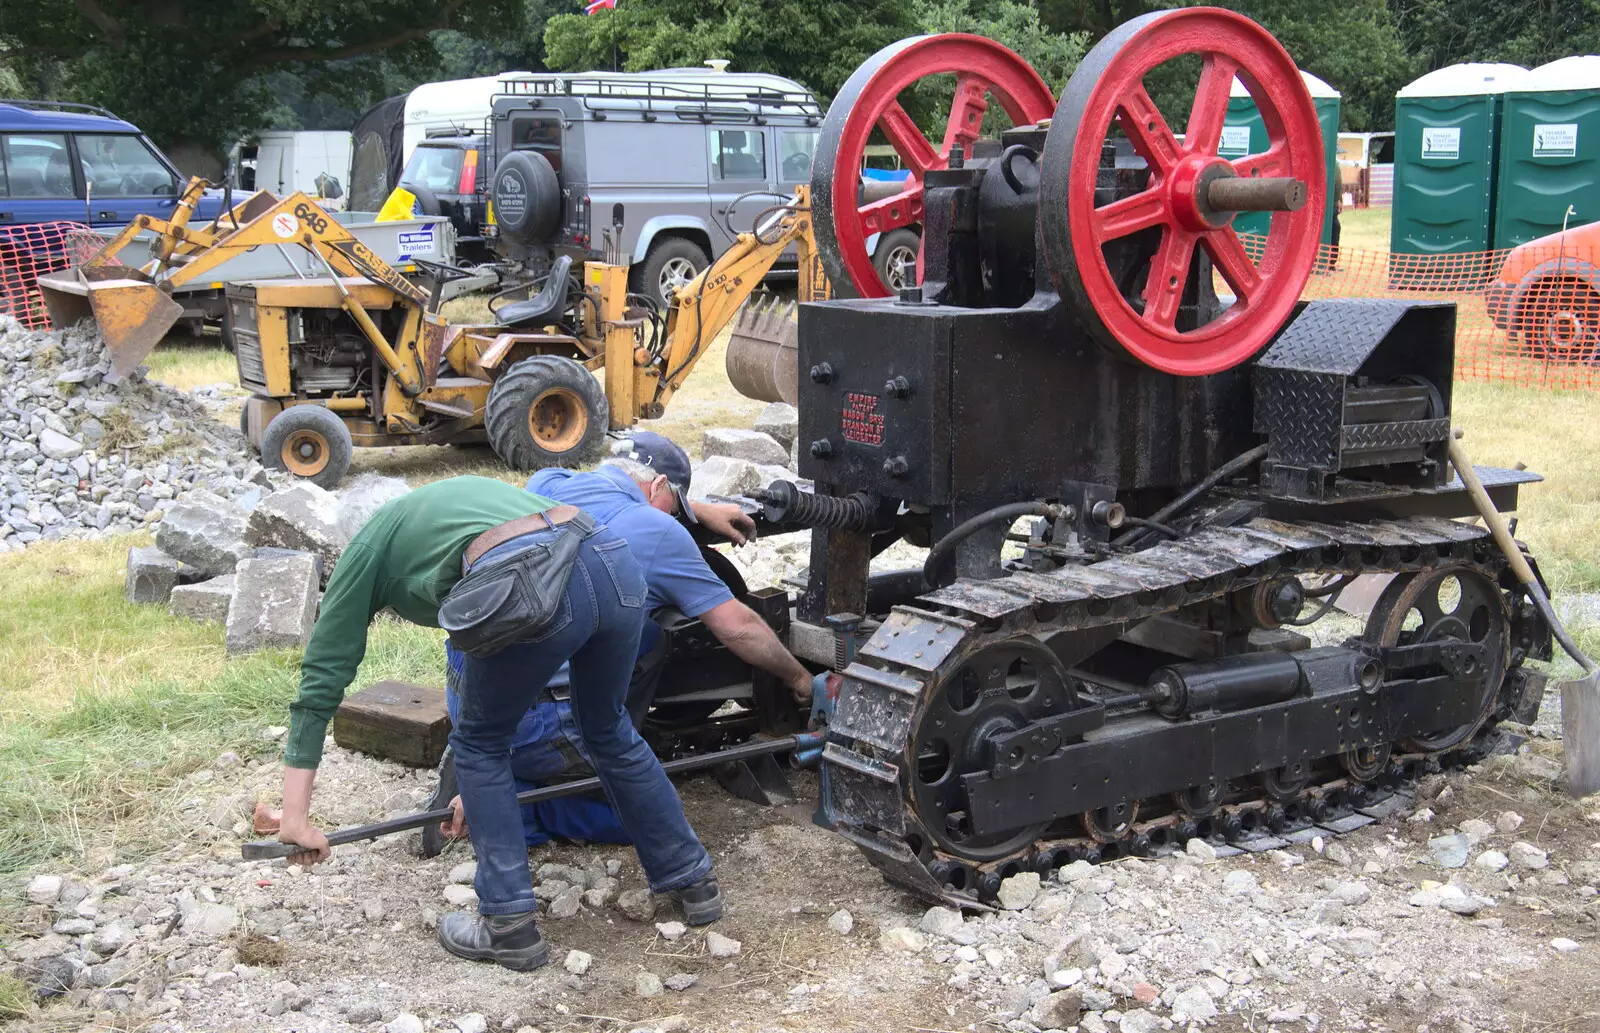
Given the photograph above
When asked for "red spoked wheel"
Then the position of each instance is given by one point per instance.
(1187, 198)
(870, 99)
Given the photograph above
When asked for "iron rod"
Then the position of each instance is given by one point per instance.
(264, 849)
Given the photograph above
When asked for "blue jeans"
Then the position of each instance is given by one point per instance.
(597, 629)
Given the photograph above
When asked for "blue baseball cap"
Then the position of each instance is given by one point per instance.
(666, 458)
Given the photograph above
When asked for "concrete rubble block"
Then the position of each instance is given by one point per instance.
(274, 604)
(204, 531)
(152, 575)
(56, 445)
(363, 497)
(302, 517)
(749, 445)
(203, 602)
(721, 475)
(769, 474)
(781, 422)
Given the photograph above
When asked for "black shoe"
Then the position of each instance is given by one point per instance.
(433, 840)
(510, 940)
(702, 902)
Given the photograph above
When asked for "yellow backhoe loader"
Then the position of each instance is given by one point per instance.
(360, 358)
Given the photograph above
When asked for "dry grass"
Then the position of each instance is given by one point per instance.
(1366, 229)
(104, 705)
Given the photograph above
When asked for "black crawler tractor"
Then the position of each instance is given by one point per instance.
(1147, 471)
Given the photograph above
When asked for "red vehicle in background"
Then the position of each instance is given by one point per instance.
(1546, 295)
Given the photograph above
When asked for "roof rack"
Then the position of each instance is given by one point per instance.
(688, 100)
(58, 105)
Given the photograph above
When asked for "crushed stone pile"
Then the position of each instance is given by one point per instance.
(80, 457)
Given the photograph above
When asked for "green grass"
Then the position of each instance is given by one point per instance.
(104, 706)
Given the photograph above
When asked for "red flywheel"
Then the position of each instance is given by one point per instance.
(1192, 194)
(870, 99)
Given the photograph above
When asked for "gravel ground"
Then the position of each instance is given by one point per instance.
(1367, 932)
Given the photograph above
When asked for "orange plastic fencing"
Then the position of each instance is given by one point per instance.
(31, 250)
(1528, 315)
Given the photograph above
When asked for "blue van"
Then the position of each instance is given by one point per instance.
(78, 163)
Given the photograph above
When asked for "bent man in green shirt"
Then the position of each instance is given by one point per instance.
(407, 558)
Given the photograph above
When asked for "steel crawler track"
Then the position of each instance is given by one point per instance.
(871, 764)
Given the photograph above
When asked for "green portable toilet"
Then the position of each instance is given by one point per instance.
(1447, 135)
(1549, 151)
(1244, 134)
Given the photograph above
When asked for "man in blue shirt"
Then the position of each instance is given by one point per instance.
(639, 497)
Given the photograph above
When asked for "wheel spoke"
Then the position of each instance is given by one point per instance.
(1147, 128)
(1274, 161)
(1204, 131)
(966, 113)
(1231, 260)
(1169, 271)
(1130, 215)
(908, 141)
(891, 213)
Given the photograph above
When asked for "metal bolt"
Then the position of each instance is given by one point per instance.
(896, 466)
(911, 294)
(822, 373)
(822, 448)
(958, 157)
(898, 387)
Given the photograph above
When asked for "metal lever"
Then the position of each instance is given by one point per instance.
(265, 849)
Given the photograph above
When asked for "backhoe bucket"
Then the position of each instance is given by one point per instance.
(764, 351)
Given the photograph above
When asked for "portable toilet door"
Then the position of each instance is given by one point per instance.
(1447, 135)
(1243, 133)
(1549, 152)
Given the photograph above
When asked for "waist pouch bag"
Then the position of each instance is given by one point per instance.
(514, 599)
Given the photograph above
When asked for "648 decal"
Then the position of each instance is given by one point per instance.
(312, 216)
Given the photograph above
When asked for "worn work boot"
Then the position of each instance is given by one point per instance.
(510, 940)
(702, 902)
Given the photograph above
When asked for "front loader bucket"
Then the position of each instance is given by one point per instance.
(133, 317)
(764, 351)
(66, 298)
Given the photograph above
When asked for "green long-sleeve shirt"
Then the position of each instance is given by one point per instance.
(407, 557)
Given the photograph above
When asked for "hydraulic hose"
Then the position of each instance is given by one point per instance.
(939, 555)
(1182, 502)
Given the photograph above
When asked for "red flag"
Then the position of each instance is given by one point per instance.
(598, 4)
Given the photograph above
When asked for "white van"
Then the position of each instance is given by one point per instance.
(286, 161)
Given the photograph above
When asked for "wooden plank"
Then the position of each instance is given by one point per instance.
(393, 720)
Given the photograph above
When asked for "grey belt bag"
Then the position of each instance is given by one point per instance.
(514, 599)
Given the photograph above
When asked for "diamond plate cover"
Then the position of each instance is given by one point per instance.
(1334, 336)
(1302, 413)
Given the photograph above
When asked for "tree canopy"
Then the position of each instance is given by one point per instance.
(209, 74)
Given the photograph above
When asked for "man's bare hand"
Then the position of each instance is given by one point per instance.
(456, 827)
(801, 688)
(308, 836)
(725, 519)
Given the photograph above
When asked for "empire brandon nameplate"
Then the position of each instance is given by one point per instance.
(860, 420)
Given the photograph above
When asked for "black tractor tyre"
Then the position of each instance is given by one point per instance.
(310, 442)
(527, 198)
(678, 254)
(895, 247)
(546, 411)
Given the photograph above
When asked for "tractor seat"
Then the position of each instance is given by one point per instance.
(550, 301)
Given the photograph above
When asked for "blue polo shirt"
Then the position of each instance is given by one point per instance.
(675, 574)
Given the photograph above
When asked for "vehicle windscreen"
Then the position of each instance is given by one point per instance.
(436, 168)
(119, 165)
